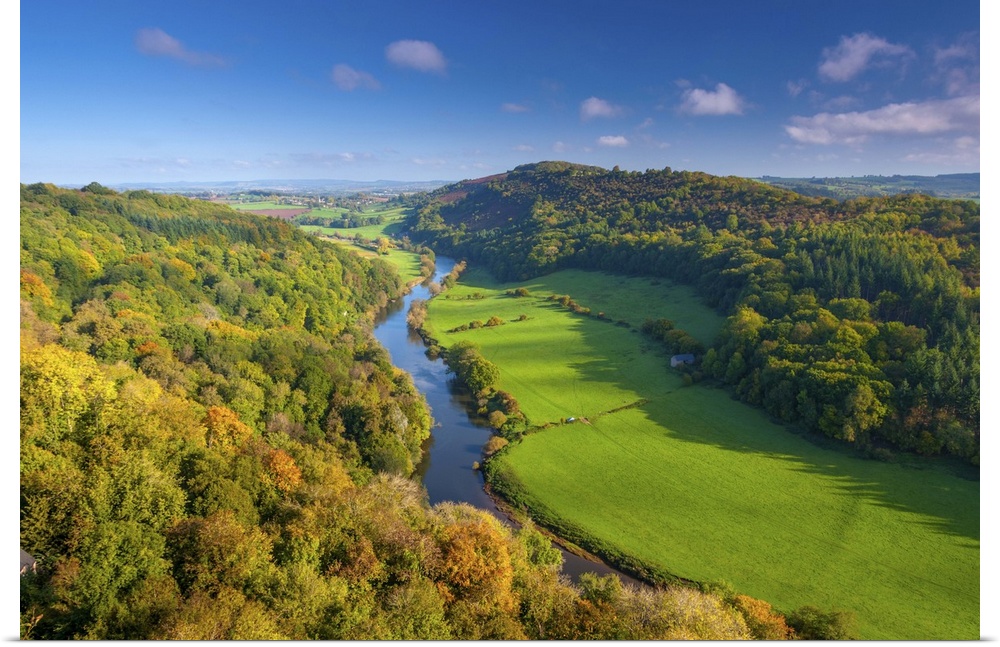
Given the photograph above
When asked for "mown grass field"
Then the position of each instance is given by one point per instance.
(693, 483)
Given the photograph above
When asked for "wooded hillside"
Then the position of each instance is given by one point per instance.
(213, 446)
(858, 320)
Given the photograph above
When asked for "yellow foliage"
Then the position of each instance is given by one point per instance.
(183, 268)
(58, 386)
(227, 330)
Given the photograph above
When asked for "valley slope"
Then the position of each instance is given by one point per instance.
(854, 323)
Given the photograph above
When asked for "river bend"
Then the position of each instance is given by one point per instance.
(456, 439)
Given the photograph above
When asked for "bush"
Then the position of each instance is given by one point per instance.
(495, 444)
(811, 623)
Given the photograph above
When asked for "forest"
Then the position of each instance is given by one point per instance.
(213, 446)
(856, 320)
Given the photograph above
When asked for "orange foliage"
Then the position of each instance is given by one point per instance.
(148, 348)
(224, 428)
(284, 473)
(33, 286)
(762, 621)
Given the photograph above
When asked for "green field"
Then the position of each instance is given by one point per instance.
(261, 206)
(391, 226)
(688, 481)
(407, 263)
(325, 212)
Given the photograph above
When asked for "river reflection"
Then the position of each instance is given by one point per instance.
(456, 441)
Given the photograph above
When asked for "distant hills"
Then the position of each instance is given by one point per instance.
(296, 187)
(954, 185)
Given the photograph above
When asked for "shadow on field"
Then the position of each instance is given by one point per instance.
(701, 414)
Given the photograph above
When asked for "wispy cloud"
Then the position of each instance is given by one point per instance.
(795, 88)
(854, 54)
(560, 147)
(515, 107)
(594, 107)
(330, 159)
(419, 55)
(722, 101)
(962, 151)
(524, 148)
(614, 141)
(429, 161)
(348, 79)
(159, 165)
(933, 117)
(957, 66)
(156, 42)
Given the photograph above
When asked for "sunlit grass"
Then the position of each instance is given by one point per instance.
(407, 263)
(695, 484)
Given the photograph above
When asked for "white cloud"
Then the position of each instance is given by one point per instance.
(524, 148)
(912, 118)
(347, 78)
(723, 101)
(514, 107)
(594, 107)
(156, 42)
(616, 141)
(855, 53)
(417, 54)
(560, 147)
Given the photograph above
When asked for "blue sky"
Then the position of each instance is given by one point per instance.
(124, 91)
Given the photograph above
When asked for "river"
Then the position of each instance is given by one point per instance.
(457, 438)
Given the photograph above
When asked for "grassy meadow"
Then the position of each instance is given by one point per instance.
(406, 263)
(391, 226)
(690, 482)
(262, 206)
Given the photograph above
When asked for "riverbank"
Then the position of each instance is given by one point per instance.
(458, 435)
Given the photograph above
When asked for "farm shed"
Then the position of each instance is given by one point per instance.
(677, 360)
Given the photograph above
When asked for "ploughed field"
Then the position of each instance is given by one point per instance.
(686, 481)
